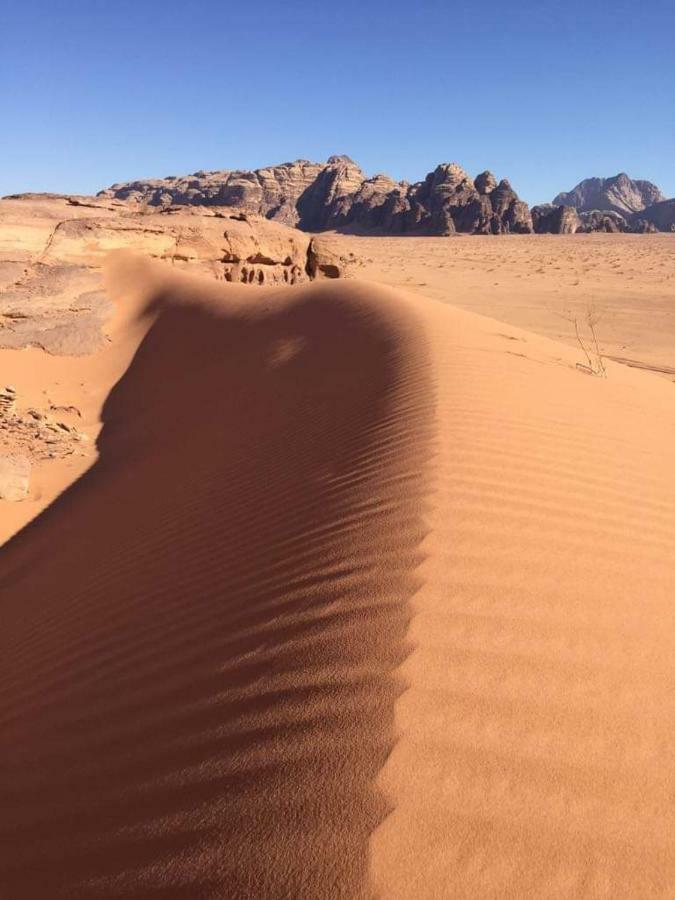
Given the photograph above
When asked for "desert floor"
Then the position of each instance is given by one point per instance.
(363, 594)
(536, 281)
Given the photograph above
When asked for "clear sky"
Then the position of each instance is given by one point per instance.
(544, 93)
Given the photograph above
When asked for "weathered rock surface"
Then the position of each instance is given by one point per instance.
(272, 192)
(52, 249)
(338, 195)
(549, 219)
(619, 194)
(603, 221)
(30, 435)
(660, 216)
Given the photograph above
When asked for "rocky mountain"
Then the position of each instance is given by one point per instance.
(660, 216)
(549, 219)
(337, 194)
(619, 194)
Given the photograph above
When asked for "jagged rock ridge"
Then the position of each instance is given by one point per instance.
(337, 194)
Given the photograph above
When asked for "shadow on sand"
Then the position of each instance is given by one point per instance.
(199, 637)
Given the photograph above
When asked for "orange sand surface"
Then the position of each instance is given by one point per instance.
(364, 596)
(534, 281)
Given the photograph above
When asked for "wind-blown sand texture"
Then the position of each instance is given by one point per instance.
(364, 596)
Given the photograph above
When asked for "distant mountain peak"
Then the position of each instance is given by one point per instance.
(620, 193)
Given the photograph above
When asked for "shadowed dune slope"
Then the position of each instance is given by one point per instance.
(199, 637)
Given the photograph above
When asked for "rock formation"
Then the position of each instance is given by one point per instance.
(660, 216)
(272, 192)
(549, 219)
(7, 402)
(52, 248)
(338, 195)
(602, 220)
(27, 436)
(619, 194)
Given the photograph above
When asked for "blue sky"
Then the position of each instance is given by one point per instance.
(544, 93)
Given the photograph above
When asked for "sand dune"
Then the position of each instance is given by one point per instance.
(364, 596)
(199, 637)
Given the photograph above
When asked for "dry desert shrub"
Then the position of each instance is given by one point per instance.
(595, 364)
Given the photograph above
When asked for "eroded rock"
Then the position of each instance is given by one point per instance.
(51, 292)
(337, 194)
(549, 219)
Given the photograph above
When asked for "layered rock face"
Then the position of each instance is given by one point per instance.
(271, 192)
(338, 194)
(52, 249)
(619, 194)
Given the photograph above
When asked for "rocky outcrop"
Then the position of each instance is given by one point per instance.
(619, 194)
(549, 219)
(337, 195)
(51, 252)
(31, 435)
(603, 221)
(660, 217)
(7, 402)
(272, 192)
(642, 226)
(510, 214)
(327, 200)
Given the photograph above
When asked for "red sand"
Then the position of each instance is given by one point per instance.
(363, 596)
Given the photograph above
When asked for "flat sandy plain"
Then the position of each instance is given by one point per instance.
(366, 595)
